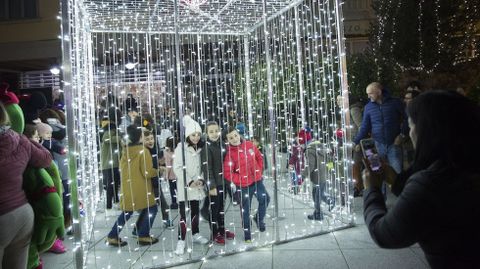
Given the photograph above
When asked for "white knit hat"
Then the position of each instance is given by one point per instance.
(43, 128)
(191, 126)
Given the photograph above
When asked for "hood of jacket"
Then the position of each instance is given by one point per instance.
(318, 147)
(9, 141)
(134, 151)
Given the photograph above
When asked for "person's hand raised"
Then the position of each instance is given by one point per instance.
(375, 179)
(370, 178)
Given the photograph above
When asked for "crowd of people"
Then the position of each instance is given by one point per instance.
(426, 143)
(42, 142)
(201, 169)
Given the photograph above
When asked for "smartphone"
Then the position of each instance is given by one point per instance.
(371, 154)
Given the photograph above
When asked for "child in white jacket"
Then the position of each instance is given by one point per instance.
(193, 178)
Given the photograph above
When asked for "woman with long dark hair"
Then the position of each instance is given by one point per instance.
(438, 198)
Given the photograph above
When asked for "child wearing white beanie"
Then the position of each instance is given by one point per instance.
(192, 179)
(191, 126)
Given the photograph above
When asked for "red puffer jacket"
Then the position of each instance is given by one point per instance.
(16, 152)
(243, 164)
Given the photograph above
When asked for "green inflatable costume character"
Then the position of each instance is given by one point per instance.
(43, 188)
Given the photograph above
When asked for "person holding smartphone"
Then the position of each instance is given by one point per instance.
(437, 205)
(385, 119)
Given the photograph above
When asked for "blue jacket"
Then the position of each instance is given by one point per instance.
(384, 121)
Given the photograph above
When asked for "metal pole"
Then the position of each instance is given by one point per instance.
(69, 111)
(300, 66)
(344, 91)
(271, 114)
(199, 63)
(180, 110)
(248, 85)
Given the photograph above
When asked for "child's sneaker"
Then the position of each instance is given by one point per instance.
(247, 236)
(219, 239)
(148, 240)
(58, 247)
(260, 225)
(197, 238)
(116, 242)
(315, 217)
(180, 247)
(229, 235)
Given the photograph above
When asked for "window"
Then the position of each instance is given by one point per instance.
(18, 9)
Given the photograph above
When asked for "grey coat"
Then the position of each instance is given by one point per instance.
(315, 168)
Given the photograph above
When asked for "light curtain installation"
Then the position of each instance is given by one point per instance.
(271, 70)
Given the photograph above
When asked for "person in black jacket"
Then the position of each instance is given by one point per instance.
(437, 204)
(212, 165)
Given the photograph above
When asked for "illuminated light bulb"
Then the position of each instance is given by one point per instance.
(55, 70)
(130, 65)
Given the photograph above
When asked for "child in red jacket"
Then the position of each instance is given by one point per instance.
(243, 166)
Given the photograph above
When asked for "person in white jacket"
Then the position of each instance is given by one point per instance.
(187, 169)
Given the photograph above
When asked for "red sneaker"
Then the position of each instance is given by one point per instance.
(229, 235)
(219, 239)
(58, 247)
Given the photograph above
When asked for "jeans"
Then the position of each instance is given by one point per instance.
(143, 225)
(393, 154)
(257, 189)
(319, 195)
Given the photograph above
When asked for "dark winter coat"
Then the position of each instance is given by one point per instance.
(155, 183)
(437, 208)
(16, 152)
(212, 164)
(111, 148)
(384, 121)
(243, 164)
(54, 146)
(62, 161)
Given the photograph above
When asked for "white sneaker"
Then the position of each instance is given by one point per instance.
(180, 247)
(197, 238)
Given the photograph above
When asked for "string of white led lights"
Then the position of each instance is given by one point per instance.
(211, 73)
